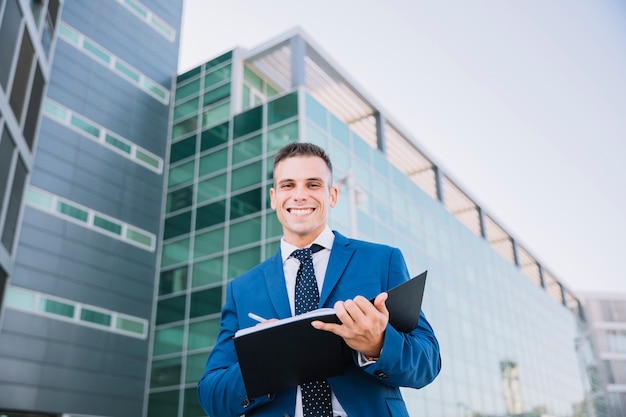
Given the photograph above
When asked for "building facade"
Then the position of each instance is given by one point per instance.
(85, 116)
(506, 325)
(606, 316)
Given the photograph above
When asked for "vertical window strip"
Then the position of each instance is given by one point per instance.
(89, 218)
(148, 17)
(58, 308)
(115, 64)
(100, 134)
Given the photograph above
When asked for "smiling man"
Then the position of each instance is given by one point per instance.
(342, 273)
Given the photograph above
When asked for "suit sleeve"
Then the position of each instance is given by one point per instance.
(407, 359)
(220, 390)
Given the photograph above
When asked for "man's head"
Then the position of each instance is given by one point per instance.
(303, 191)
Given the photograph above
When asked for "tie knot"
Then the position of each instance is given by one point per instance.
(305, 254)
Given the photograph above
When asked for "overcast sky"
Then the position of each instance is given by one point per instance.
(522, 104)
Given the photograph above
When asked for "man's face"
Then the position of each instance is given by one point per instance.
(302, 195)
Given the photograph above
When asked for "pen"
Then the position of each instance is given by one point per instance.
(257, 318)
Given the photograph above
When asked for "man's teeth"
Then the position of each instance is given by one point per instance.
(300, 212)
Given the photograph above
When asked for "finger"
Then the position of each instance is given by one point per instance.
(379, 302)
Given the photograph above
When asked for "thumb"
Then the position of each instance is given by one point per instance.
(379, 302)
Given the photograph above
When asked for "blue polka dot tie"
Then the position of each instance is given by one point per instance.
(316, 398)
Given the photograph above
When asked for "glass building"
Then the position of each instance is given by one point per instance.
(85, 108)
(507, 326)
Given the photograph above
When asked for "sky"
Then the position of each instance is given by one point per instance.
(521, 103)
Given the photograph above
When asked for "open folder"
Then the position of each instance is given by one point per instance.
(290, 351)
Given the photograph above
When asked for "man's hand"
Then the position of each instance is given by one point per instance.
(363, 323)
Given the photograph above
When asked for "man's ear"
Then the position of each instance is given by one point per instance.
(272, 198)
(334, 193)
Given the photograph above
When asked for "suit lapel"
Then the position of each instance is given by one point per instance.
(340, 255)
(275, 280)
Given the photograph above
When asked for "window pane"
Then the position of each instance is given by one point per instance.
(206, 302)
(211, 214)
(177, 225)
(216, 95)
(174, 280)
(9, 31)
(214, 136)
(248, 122)
(203, 334)
(245, 203)
(279, 137)
(85, 126)
(112, 140)
(163, 404)
(184, 127)
(183, 149)
(282, 108)
(219, 60)
(240, 262)
(16, 297)
(248, 149)
(22, 75)
(7, 148)
(179, 199)
(56, 307)
(215, 115)
(207, 272)
(74, 212)
(96, 51)
(217, 76)
(212, 188)
(253, 79)
(339, 131)
(168, 340)
(245, 232)
(130, 325)
(209, 243)
(139, 237)
(273, 228)
(165, 372)
(171, 310)
(108, 225)
(187, 90)
(96, 317)
(32, 115)
(213, 162)
(247, 175)
(147, 158)
(191, 406)
(180, 174)
(187, 108)
(194, 371)
(315, 112)
(175, 252)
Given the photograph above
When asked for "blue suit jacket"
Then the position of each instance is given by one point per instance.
(354, 268)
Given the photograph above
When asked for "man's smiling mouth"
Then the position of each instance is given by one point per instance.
(300, 212)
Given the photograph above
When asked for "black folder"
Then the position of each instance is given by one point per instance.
(290, 351)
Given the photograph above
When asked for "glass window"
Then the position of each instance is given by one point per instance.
(22, 76)
(191, 406)
(180, 174)
(177, 225)
(155, 89)
(188, 108)
(174, 280)
(219, 60)
(244, 233)
(16, 297)
(282, 108)
(206, 302)
(32, 115)
(188, 89)
(217, 76)
(175, 252)
(183, 149)
(184, 127)
(248, 122)
(214, 136)
(339, 131)
(127, 70)
(72, 211)
(107, 225)
(130, 325)
(245, 203)
(315, 112)
(362, 150)
(193, 373)
(34, 197)
(9, 32)
(242, 261)
(179, 199)
(96, 51)
(188, 75)
(212, 188)
(315, 135)
(54, 110)
(143, 156)
(171, 310)
(163, 404)
(113, 141)
(216, 95)
(211, 214)
(7, 149)
(165, 372)
(69, 34)
(213, 162)
(273, 228)
(209, 243)
(216, 114)
(253, 79)
(279, 137)
(203, 334)
(207, 272)
(247, 175)
(96, 317)
(248, 149)
(85, 126)
(139, 237)
(55, 307)
(169, 340)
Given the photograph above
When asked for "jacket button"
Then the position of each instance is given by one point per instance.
(381, 374)
(246, 403)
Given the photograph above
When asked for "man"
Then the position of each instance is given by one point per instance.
(348, 273)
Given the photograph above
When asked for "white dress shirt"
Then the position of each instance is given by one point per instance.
(320, 263)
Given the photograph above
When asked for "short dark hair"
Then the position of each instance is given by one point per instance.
(302, 149)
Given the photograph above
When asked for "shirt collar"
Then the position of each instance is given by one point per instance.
(325, 239)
